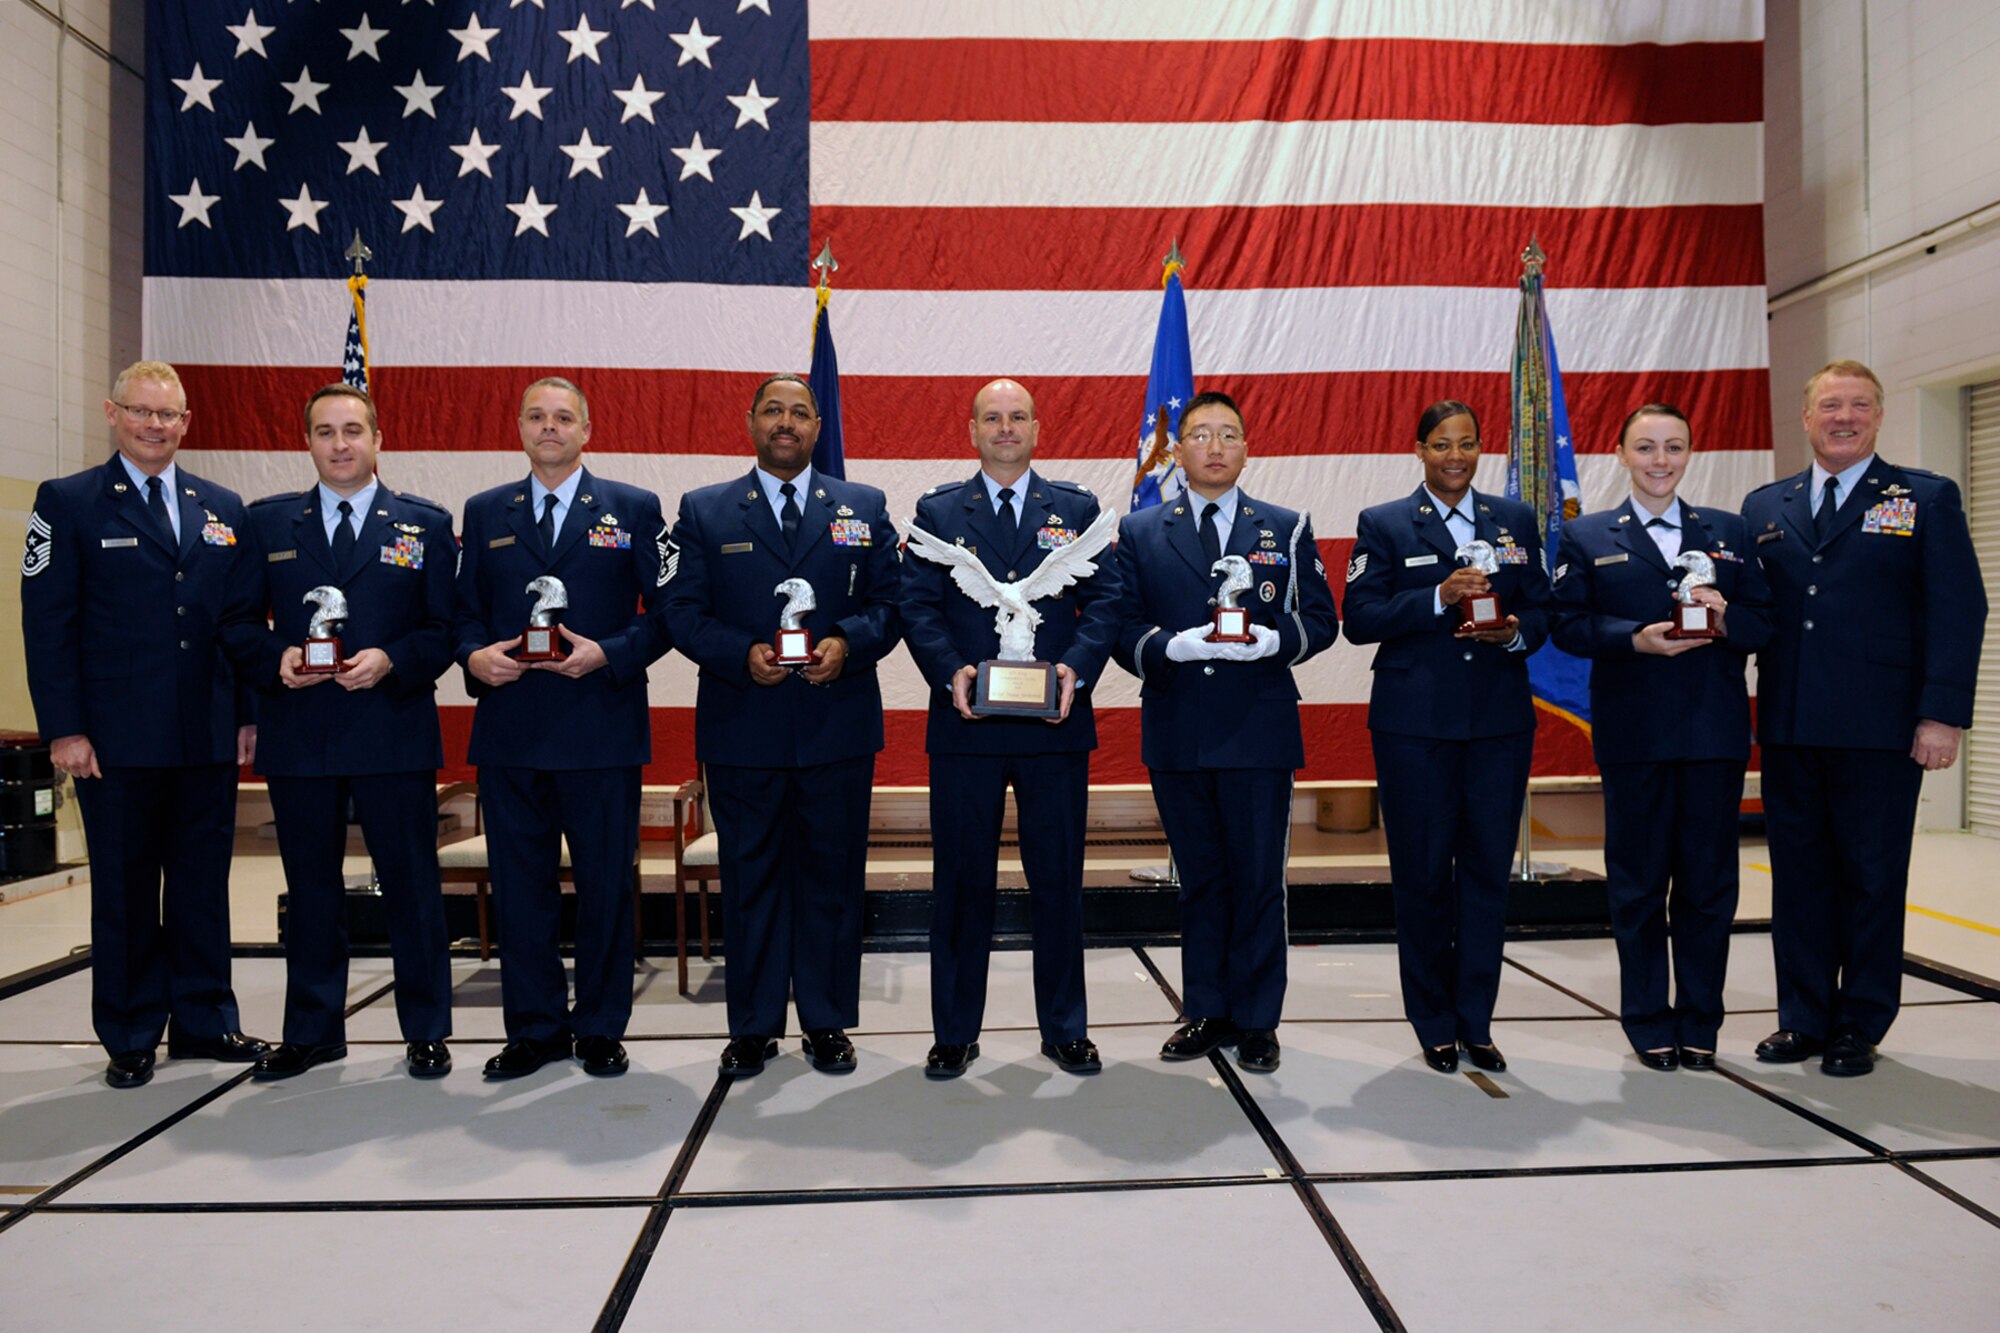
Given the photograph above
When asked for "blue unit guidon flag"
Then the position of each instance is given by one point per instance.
(1169, 385)
(631, 195)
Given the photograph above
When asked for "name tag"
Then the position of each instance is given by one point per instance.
(499, 542)
(737, 548)
(275, 556)
(110, 542)
(1413, 561)
(1618, 559)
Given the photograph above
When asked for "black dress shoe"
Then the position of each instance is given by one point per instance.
(829, 1050)
(1076, 1057)
(744, 1056)
(1193, 1040)
(231, 1046)
(428, 1059)
(1257, 1050)
(1693, 1059)
(603, 1057)
(1848, 1056)
(1486, 1057)
(1786, 1047)
(520, 1058)
(949, 1059)
(1667, 1059)
(134, 1069)
(1444, 1059)
(289, 1060)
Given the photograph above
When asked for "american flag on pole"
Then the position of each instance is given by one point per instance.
(630, 194)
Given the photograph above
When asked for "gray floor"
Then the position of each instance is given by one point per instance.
(1354, 1188)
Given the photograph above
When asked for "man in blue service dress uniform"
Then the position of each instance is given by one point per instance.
(1670, 729)
(1878, 607)
(559, 744)
(129, 567)
(366, 734)
(789, 750)
(1011, 518)
(1220, 724)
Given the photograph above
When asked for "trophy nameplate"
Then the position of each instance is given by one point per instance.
(1017, 689)
(1480, 610)
(1692, 620)
(794, 642)
(541, 641)
(321, 650)
(1232, 622)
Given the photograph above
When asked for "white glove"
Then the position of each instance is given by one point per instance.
(1264, 642)
(1193, 645)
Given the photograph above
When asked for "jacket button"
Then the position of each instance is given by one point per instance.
(184, 644)
(1819, 560)
(1812, 590)
(179, 576)
(1809, 624)
(1012, 575)
(1208, 671)
(1468, 654)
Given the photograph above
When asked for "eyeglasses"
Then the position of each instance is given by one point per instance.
(139, 416)
(1226, 438)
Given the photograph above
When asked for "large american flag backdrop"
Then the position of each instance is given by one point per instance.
(631, 194)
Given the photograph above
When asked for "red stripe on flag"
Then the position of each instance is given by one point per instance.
(1367, 79)
(1346, 245)
(472, 409)
(1336, 736)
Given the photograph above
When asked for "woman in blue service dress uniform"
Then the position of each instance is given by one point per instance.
(1452, 723)
(1670, 728)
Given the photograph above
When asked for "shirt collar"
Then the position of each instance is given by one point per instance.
(168, 475)
(1225, 505)
(1849, 475)
(801, 485)
(565, 492)
(360, 501)
(1020, 486)
(1444, 510)
(1671, 514)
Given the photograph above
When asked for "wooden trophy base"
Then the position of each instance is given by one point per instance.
(1693, 622)
(1482, 611)
(1232, 625)
(542, 643)
(321, 657)
(1017, 689)
(794, 647)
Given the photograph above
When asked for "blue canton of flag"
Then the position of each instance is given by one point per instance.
(1168, 387)
(1541, 470)
(830, 453)
(473, 141)
(354, 357)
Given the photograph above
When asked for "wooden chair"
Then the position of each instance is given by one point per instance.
(466, 862)
(697, 863)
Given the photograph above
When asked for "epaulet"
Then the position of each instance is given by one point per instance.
(944, 488)
(1076, 487)
(1923, 472)
(279, 498)
(1772, 485)
(420, 500)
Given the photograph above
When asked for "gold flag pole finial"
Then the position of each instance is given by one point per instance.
(1174, 260)
(359, 253)
(1533, 259)
(826, 264)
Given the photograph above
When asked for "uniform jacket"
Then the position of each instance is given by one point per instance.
(727, 556)
(1427, 682)
(1197, 715)
(946, 630)
(1877, 627)
(1611, 581)
(398, 584)
(120, 626)
(608, 556)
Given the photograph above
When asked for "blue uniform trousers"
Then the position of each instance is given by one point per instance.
(1840, 825)
(968, 801)
(1670, 853)
(1230, 830)
(529, 811)
(793, 855)
(398, 816)
(160, 956)
(1451, 812)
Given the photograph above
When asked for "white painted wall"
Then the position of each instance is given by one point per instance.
(72, 115)
(1882, 121)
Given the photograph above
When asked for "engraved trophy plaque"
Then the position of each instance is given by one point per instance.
(1692, 620)
(1232, 622)
(322, 645)
(794, 643)
(541, 641)
(1481, 611)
